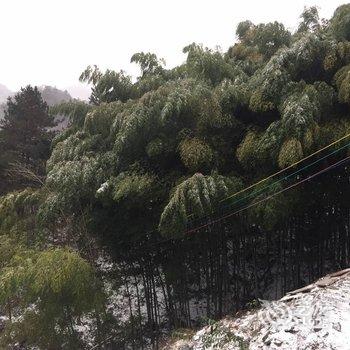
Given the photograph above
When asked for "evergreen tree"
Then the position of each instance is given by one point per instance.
(25, 137)
(150, 174)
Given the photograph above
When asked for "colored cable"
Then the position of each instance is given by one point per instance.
(269, 197)
(288, 167)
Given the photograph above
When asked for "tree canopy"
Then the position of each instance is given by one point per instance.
(25, 137)
(259, 106)
(146, 160)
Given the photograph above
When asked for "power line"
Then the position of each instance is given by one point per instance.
(150, 245)
(262, 190)
(288, 167)
(269, 197)
(281, 171)
(273, 184)
(289, 176)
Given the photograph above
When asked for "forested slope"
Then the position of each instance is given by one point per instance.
(144, 164)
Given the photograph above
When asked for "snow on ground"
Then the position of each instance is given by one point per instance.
(314, 317)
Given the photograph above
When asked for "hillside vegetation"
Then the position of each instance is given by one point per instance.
(97, 247)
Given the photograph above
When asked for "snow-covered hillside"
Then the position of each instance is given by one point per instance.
(314, 317)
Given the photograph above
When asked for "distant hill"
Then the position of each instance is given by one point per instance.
(51, 95)
(4, 93)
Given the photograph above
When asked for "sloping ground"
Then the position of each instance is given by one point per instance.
(314, 317)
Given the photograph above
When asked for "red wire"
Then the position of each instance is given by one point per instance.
(268, 197)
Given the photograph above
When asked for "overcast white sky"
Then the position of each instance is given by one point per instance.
(50, 42)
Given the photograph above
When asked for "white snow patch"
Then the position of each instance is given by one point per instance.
(317, 317)
(103, 188)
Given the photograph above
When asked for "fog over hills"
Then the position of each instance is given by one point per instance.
(4, 93)
(51, 95)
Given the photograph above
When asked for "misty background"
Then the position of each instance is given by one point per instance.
(49, 43)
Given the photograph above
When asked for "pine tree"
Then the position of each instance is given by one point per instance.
(25, 137)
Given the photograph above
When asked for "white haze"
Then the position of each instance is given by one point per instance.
(51, 42)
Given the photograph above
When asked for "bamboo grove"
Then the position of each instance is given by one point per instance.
(122, 238)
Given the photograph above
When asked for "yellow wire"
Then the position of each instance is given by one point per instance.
(288, 167)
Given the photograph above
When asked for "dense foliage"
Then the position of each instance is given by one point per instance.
(257, 108)
(25, 139)
(143, 162)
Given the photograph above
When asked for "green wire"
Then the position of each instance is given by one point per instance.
(286, 177)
